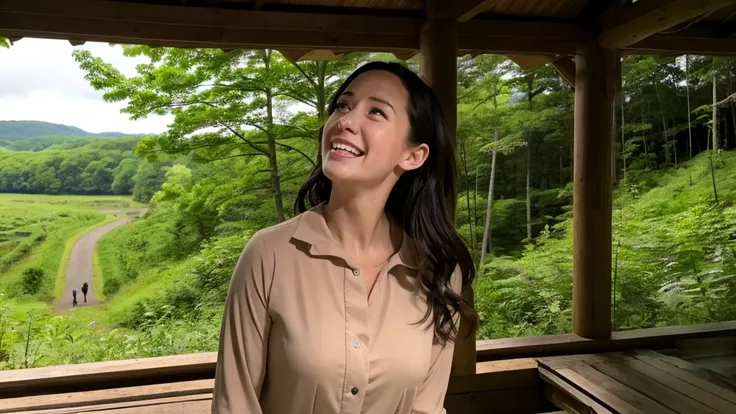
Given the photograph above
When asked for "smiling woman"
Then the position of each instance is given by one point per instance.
(353, 305)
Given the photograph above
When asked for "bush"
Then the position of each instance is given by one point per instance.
(111, 286)
(32, 279)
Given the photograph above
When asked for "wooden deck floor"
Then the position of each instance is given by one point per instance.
(637, 382)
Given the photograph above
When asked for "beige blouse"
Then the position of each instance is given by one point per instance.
(299, 334)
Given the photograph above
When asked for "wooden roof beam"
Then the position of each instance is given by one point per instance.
(460, 10)
(565, 65)
(179, 26)
(636, 22)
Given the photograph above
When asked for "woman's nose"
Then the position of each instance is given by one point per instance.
(348, 123)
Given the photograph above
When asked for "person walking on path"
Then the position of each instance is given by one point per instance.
(85, 288)
(74, 296)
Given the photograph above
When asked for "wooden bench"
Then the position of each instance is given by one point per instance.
(638, 382)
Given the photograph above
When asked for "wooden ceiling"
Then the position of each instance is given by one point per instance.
(545, 28)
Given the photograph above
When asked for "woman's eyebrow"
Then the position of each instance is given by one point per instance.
(372, 98)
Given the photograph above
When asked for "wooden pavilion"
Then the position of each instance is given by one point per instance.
(583, 39)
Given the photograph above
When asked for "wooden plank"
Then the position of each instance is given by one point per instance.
(508, 401)
(692, 377)
(593, 197)
(671, 44)
(182, 26)
(568, 397)
(506, 365)
(721, 364)
(653, 389)
(105, 374)
(528, 62)
(149, 406)
(107, 396)
(614, 394)
(539, 346)
(190, 407)
(711, 400)
(566, 361)
(200, 36)
(460, 10)
(642, 19)
(709, 375)
(175, 15)
(506, 45)
(496, 375)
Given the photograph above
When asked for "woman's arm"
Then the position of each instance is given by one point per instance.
(430, 396)
(241, 359)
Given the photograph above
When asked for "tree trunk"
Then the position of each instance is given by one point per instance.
(674, 144)
(713, 174)
(272, 159)
(528, 187)
(467, 194)
(715, 110)
(733, 109)
(643, 134)
(661, 109)
(321, 98)
(623, 136)
(475, 200)
(614, 179)
(687, 89)
(725, 135)
(560, 183)
(487, 234)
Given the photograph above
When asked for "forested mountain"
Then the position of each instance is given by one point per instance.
(17, 130)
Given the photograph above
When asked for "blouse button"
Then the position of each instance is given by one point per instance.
(356, 272)
(354, 391)
(356, 344)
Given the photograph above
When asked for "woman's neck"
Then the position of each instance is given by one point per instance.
(358, 221)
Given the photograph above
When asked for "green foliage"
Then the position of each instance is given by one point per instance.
(38, 338)
(90, 169)
(32, 279)
(673, 261)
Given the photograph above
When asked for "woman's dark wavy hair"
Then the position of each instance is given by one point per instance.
(422, 201)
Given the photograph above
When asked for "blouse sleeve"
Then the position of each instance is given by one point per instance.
(241, 358)
(430, 396)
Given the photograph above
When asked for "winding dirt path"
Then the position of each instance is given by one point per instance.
(79, 269)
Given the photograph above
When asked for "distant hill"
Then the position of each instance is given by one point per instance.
(18, 130)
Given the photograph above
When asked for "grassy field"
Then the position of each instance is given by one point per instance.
(36, 230)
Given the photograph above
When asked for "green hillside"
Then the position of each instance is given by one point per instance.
(18, 130)
(673, 258)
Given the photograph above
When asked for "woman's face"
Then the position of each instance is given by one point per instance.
(365, 140)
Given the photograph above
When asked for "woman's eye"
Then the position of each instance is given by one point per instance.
(341, 106)
(378, 111)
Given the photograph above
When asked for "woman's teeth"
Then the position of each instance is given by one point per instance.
(338, 146)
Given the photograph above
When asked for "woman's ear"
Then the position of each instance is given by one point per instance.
(415, 157)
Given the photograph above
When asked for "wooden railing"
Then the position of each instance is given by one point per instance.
(507, 379)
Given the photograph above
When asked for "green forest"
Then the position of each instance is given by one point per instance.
(244, 137)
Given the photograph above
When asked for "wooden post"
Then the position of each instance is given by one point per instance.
(438, 66)
(595, 89)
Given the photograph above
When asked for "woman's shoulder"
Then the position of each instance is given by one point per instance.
(273, 237)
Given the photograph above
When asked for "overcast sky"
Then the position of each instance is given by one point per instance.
(39, 80)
